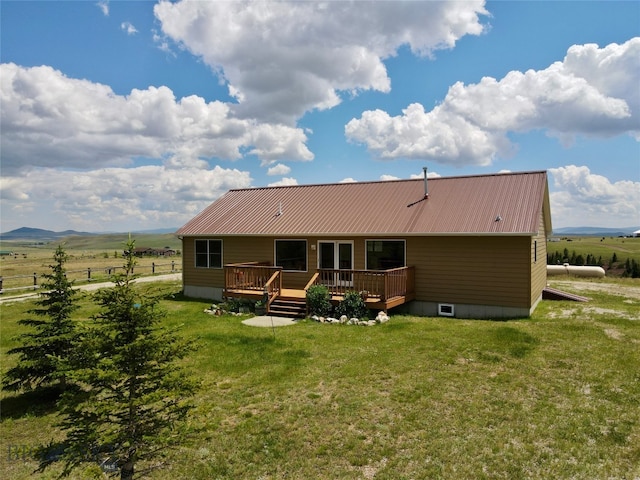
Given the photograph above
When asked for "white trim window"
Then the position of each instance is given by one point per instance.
(208, 253)
(291, 255)
(386, 254)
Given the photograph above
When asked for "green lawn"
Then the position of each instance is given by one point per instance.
(555, 396)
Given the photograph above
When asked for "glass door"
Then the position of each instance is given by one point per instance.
(337, 255)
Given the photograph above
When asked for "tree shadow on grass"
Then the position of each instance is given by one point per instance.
(39, 402)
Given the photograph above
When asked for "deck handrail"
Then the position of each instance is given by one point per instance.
(312, 281)
(248, 276)
(273, 287)
(382, 284)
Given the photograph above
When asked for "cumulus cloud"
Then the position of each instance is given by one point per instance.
(386, 177)
(129, 28)
(348, 180)
(279, 169)
(285, 181)
(592, 92)
(282, 59)
(96, 200)
(421, 175)
(582, 198)
(48, 119)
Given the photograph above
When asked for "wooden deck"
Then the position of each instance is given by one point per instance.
(384, 289)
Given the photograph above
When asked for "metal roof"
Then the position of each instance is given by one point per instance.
(496, 204)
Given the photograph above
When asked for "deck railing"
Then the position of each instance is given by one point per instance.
(381, 284)
(267, 279)
(273, 287)
(251, 276)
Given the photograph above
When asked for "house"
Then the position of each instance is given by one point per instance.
(466, 246)
(153, 252)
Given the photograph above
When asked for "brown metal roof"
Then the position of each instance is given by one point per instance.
(462, 205)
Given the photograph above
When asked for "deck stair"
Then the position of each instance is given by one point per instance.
(292, 308)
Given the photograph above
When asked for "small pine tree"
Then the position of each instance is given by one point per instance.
(131, 392)
(45, 351)
(614, 259)
(635, 269)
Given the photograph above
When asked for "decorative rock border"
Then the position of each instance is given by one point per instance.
(344, 320)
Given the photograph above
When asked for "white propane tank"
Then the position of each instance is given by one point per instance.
(578, 271)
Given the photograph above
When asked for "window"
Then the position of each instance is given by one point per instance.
(209, 253)
(291, 254)
(385, 254)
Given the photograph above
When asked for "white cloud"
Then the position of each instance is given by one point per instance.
(285, 181)
(279, 169)
(282, 59)
(103, 5)
(48, 119)
(348, 180)
(129, 28)
(582, 198)
(421, 175)
(112, 198)
(593, 92)
(386, 178)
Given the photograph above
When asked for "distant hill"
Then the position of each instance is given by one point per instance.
(38, 234)
(595, 231)
(41, 235)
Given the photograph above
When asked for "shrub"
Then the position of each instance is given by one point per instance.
(319, 300)
(352, 305)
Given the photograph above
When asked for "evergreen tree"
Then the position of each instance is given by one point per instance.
(131, 393)
(45, 350)
(635, 269)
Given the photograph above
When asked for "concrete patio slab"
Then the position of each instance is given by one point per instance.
(268, 321)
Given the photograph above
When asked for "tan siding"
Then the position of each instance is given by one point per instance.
(201, 277)
(471, 270)
(539, 266)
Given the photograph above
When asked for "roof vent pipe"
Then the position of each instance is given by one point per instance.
(426, 188)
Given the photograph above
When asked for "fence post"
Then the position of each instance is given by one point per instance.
(153, 268)
(35, 280)
(173, 265)
(89, 274)
(0, 284)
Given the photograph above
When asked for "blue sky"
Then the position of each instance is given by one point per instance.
(120, 116)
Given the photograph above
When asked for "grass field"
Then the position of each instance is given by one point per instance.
(101, 253)
(555, 396)
(603, 247)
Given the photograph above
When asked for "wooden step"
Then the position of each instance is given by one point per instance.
(288, 308)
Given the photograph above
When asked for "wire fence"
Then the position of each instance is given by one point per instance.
(85, 275)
